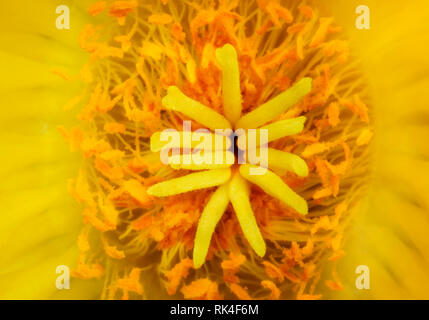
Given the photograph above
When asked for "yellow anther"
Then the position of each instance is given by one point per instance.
(276, 106)
(239, 196)
(190, 182)
(211, 215)
(177, 101)
(231, 93)
(287, 161)
(156, 144)
(275, 187)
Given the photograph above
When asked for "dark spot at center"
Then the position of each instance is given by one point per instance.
(235, 146)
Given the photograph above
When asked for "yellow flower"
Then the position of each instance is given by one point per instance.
(135, 245)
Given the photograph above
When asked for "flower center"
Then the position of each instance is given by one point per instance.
(250, 65)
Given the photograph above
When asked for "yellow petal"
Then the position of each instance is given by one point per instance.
(211, 215)
(275, 187)
(389, 230)
(239, 196)
(190, 182)
(276, 106)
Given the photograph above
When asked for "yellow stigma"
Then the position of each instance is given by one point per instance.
(211, 215)
(239, 190)
(239, 195)
(275, 187)
(193, 181)
(231, 93)
(177, 101)
(276, 106)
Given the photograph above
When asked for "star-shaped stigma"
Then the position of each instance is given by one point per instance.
(233, 181)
